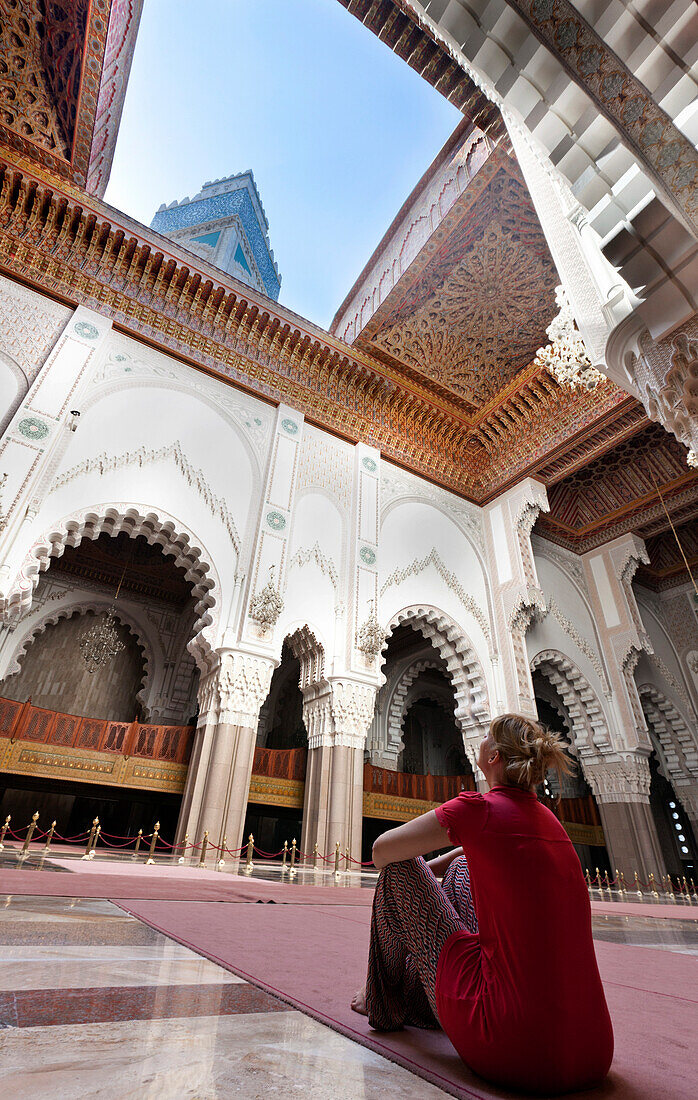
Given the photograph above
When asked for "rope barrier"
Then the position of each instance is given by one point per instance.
(668, 886)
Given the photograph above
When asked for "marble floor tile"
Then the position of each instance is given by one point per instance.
(266, 1056)
(662, 934)
(57, 1007)
(50, 968)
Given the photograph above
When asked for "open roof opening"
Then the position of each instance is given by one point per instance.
(336, 129)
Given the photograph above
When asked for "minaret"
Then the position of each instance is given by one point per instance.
(226, 225)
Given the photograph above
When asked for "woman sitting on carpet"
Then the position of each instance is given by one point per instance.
(509, 970)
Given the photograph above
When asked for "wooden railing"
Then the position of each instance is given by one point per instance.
(280, 763)
(426, 788)
(24, 722)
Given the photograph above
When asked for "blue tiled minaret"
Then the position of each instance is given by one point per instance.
(226, 225)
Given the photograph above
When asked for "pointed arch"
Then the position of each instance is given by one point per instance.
(589, 729)
(112, 519)
(460, 658)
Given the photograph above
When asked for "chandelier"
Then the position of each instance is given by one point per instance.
(267, 605)
(370, 636)
(565, 357)
(101, 643)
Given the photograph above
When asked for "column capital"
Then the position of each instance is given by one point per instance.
(338, 711)
(623, 778)
(243, 681)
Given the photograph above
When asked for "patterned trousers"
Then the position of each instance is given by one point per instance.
(413, 916)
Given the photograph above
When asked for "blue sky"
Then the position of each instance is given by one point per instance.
(335, 127)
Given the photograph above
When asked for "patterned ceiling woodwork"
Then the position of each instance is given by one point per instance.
(27, 101)
(616, 493)
(64, 25)
(472, 308)
(427, 57)
(51, 60)
(145, 568)
(667, 567)
(666, 154)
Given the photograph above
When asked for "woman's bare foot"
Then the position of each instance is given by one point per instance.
(358, 1002)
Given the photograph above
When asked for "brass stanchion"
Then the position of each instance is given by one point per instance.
(221, 861)
(637, 884)
(621, 879)
(30, 833)
(204, 846)
(5, 827)
(337, 857)
(671, 888)
(653, 885)
(292, 871)
(285, 857)
(347, 859)
(315, 855)
(94, 841)
(250, 853)
(186, 845)
(138, 844)
(599, 881)
(88, 846)
(608, 882)
(588, 878)
(693, 889)
(49, 838)
(151, 851)
(684, 888)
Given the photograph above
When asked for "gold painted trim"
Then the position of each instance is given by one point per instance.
(268, 791)
(85, 766)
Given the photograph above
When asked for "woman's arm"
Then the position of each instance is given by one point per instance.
(440, 864)
(414, 838)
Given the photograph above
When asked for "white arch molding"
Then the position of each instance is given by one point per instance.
(677, 741)
(83, 607)
(589, 729)
(460, 657)
(157, 527)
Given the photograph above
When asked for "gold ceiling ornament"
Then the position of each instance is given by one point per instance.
(100, 644)
(267, 604)
(370, 636)
(566, 357)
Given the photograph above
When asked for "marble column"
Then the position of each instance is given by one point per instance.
(621, 788)
(221, 782)
(337, 715)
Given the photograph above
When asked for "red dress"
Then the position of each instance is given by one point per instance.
(521, 1000)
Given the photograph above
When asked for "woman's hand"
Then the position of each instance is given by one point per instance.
(440, 864)
(414, 838)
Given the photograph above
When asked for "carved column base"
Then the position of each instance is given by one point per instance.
(333, 804)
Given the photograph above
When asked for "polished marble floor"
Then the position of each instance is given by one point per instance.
(93, 1003)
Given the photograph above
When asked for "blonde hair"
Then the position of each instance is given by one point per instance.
(528, 750)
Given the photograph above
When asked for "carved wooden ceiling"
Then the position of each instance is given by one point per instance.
(63, 71)
(472, 308)
(146, 570)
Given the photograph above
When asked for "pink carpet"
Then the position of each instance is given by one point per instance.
(313, 956)
(109, 880)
